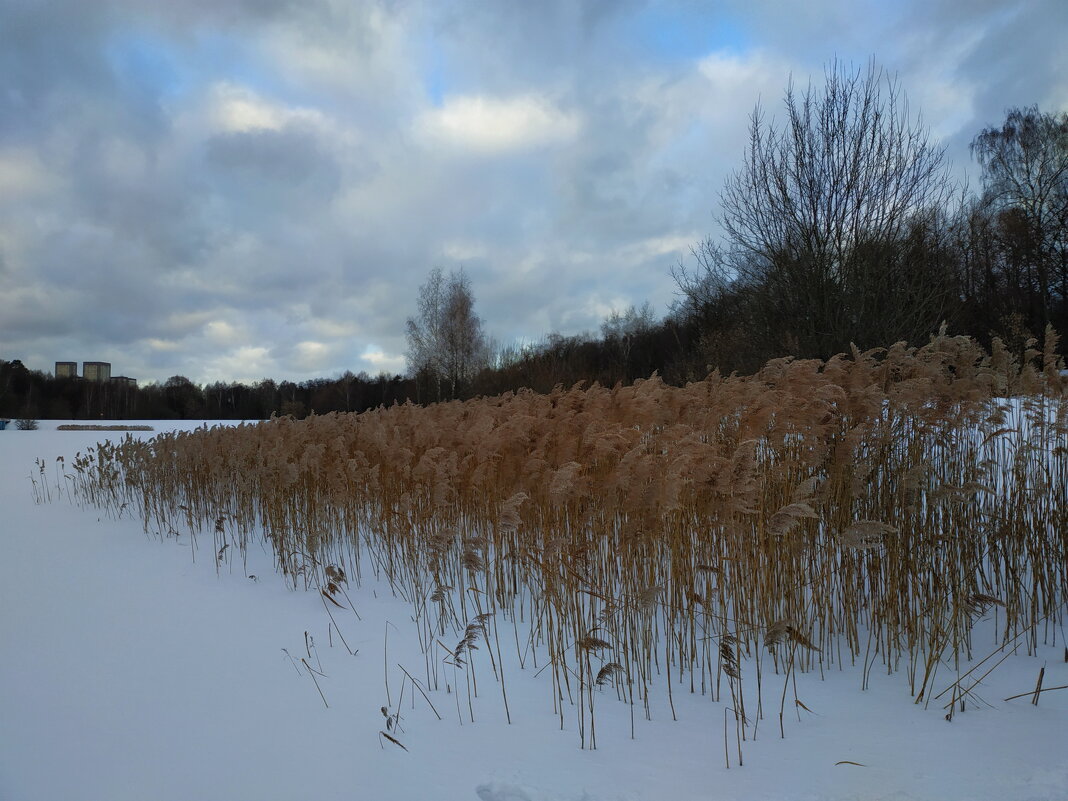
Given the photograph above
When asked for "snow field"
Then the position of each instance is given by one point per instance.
(132, 672)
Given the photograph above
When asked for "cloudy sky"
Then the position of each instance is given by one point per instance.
(236, 189)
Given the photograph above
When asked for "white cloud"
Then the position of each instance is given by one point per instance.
(232, 108)
(349, 50)
(735, 83)
(220, 332)
(22, 175)
(313, 355)
(673, 245)
(600, 308)
(181, 324)
(498, 125)
(163, 345)
(382, 361)
(333, 329)
(459, 250)
(247, 364)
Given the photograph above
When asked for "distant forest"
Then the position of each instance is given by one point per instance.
(842, 227)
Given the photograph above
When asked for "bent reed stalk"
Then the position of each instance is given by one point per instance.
(868, 508)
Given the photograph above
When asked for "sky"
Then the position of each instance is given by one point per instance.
(237, 189)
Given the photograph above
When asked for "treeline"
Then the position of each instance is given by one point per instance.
(843, 228)
(873, 246)
(26, 393)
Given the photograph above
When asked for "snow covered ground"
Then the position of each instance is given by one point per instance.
(130, 671)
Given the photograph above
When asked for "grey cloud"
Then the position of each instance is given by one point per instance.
(222, 12)
(271, 171)
(502, 46)
(1021, 60)
(49, 53)
(1007, 53)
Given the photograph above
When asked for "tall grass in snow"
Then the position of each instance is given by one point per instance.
(863, 510)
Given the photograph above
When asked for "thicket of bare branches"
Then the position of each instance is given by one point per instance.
(834, 222)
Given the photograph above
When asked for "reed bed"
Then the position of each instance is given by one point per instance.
(865, 510)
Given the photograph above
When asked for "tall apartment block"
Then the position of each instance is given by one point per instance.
(96, 371)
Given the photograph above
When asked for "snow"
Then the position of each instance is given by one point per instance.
(131, 671)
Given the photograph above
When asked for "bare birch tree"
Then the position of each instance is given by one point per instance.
(446, 344)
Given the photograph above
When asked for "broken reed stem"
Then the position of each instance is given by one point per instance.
(323, 598)
(1038, 685)
(312, 672)
(420, 689)
(1033, 693)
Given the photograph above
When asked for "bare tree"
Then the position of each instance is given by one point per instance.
(446, 344)
(1025, 183)
(824, 208)
(630, 323)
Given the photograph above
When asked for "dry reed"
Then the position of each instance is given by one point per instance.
(865, 509)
